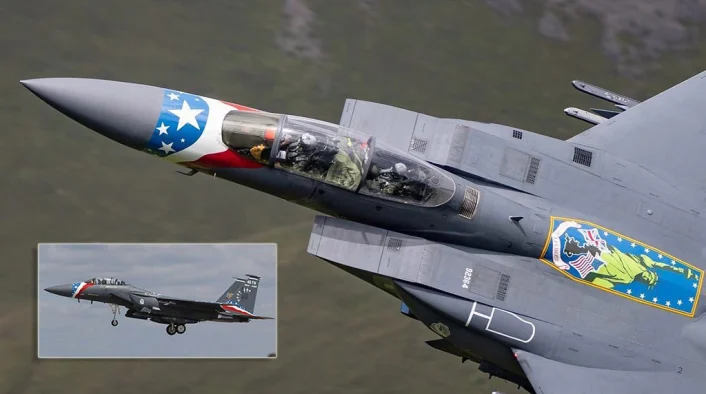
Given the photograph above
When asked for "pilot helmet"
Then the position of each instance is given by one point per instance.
(400, 168)
(308, 139)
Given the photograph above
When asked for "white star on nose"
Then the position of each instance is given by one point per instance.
(186, 115)
(166, 148)
(173, 96)
(163, 129)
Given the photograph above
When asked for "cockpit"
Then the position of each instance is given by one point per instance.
(336, 155)
(106, 281)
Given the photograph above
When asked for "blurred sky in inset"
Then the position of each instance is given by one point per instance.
(191, 271)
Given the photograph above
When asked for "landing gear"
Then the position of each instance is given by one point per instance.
(180, 328)
(116, 310)
(171, 329)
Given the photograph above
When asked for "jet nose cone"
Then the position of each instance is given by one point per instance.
(124, 112)
(61, 290)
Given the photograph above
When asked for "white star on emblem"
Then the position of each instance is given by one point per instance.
(605, 233)
(654, 299)
(197, 99)
(673, 262)
(647, 251)
(691, 299)
(659, 256)
(694, 285)
(668, 303)
(629, 291)
(620, 239)
(166, 148)
(163, 129)
(182, 140)
(679, 302)
(642, 296)
(632, 244)
(173, 96)
(186, 115)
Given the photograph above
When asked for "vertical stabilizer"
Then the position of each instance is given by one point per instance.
(230, 295)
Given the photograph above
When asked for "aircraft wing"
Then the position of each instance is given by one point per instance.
(208, 306)
(188, 304)
(665, 134)
(553, 377)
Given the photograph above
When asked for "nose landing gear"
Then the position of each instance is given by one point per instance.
(116, 310)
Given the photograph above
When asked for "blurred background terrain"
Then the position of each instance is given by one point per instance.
(503, 61)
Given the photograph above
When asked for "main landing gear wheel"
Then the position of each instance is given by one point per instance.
(180, 328)
(114, 322)
(171, 330)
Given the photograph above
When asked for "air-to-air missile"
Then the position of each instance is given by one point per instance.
(584, 115)
(601, 115)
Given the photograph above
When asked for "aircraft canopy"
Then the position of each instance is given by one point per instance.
(336, 155)
(106, 281)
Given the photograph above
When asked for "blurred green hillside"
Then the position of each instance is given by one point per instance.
(63, 183)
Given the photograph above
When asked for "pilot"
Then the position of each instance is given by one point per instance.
(309, 154)
(390, 180)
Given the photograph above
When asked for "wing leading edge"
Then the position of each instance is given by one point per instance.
(665, 134)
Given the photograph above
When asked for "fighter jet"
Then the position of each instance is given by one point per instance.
(236, 305)
(566, 267)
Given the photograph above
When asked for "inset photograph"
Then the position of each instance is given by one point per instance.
(157, 300)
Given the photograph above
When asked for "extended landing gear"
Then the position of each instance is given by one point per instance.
(116, 310)
(176, 329)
